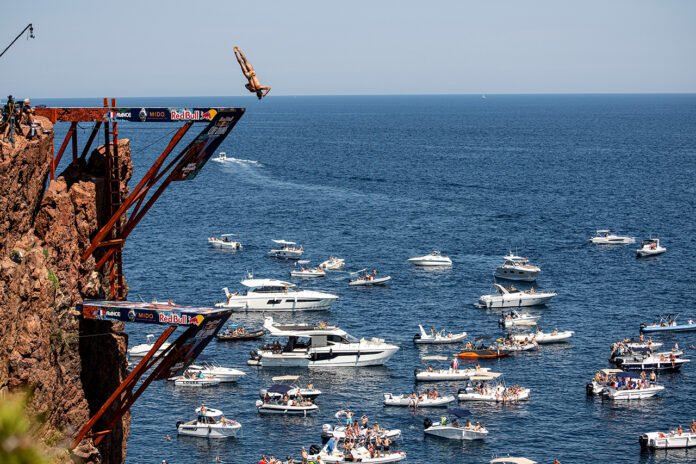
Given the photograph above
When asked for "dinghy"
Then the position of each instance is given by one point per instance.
(668, 323)
(438, 375)
(368, 279)
(417, 400)
(543, 338)
(650, 247)
(437, 338)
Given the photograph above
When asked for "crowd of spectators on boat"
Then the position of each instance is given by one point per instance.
(287, 400)
(618, 382)
(360, 434)
(476, 427)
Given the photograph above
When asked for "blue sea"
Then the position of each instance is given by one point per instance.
(376, 180)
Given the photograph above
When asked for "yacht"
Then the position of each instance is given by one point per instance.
(514, 298)
(287, 250)
(319, 345)
(224, 241)
(668, 440)
(333, 264)
(650, 247)
(210, 423)
(139, 351)
(605, 237)
(434, 259)
(452, 429)
(276, 295)
(517, 268)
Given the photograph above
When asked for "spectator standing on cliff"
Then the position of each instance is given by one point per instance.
(28, 118)
(10, 116)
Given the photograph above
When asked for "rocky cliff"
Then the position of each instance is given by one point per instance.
(71, 366)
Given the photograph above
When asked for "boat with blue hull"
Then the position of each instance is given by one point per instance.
(668, 323)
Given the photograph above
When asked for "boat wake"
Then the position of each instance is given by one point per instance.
(244, 162)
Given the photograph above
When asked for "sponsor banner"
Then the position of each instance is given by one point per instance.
(145, 114)
(140, 312)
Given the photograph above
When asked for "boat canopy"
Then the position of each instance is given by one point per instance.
(603, 231)
(283, 242)
(611, 371)
(209, 412)
(285, 378)
(259, 283)
(228, 235)
(279, 388)
(459, 412)
(516, 258)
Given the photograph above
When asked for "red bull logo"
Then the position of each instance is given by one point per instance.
(179, 319)
(195, 115)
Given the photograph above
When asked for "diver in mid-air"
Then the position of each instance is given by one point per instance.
(254, 86)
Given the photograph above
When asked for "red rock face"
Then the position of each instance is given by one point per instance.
(71, 366)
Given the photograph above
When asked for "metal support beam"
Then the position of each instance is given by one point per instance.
(72, 134)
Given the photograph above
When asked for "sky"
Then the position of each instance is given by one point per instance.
(305, 47)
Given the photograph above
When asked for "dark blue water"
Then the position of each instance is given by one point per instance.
(376, 180)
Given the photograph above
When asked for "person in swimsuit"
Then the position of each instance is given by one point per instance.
(254, 86)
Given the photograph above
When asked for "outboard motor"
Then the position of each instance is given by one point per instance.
(643, 440)
(314, 449)
(589, 388)
(326, 433)
(642, 326)
(178, 423)
(254, 355)
(416, 337)
(427, 423)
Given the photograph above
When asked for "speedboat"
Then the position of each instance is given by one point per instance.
(225, 242)
(650, 362)
(629, 386)
(286, 405)
(438, 375)
(514, 346)
(339, 431)
(543, 338)
(485, 388)
(307, 272)
(195, 381)
(514, 298)
(333, 264)
(319, 345)
(517, 268)
(650, 247)
(220, 158)
(293, 390)
(668, 440)
(276, 295)
(287, 250)
(668, 323)
(223, 374)
(211, 423)
(600, 381)
(367, 279)
(437, 338)
(417, 400)
(235, 332)
(139, 351)
(518, 319)
(605, 237)
(452, 429)
(434, 259)
(474, 353)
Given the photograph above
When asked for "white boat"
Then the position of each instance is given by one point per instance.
(210, 424)
(605, 237)
(320, 345)
(511, 460)
(600, 381)
(668, 440)
(293, 390)
(220, 158)
(453, 429)
(139, 351)
(224, 241)
(650, 362)
(514, 298)
(333, 264)
(223, 374)
(513, 346)
(633, 394)
(438, 375)
(290, 407)
(485, 388)
(650, 247)
(357, 454)
(513, 318)
(339, 431)
(543, 338)
(276, 295)
(434, 259)
(367, 279)
(517, 268)
(437, 338)
(195, 381)
(287, 250)
(307, 272)
(417, 400)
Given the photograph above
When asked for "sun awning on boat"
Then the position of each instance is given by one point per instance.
(283, 242)
(279, 388)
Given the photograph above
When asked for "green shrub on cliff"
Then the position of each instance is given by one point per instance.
(54, 279)
(18, 441)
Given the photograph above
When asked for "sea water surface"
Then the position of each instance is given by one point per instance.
(376, 180)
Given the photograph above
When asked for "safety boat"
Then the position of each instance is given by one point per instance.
(286, 405)
(286, 250)
(319, 345)
(333, 264)
(605, 237)
(438, 375)
(279, 389)
(415, 400)
(667, 440)
(434, 259)
(650, 247)
(513, 318)
(437, 338)
(307, 272)
(514, 298)
(276, 295)
(453, 429)
(488, 389)
(668, 323)
(546, 338)
(139, 351)
(517, 268)
(224, 241)
(210, 423)
(630, 386)
(368, 279)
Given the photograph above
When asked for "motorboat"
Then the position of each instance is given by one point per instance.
(279, 389)
(600, 381)
(439, 375)
(220, 158)
(650, 362)
(650, 247)
(286, 405)
(517, 268)
(196, 381)
(640, 343)
(223, 374)
(486, 388)
(210, 423)
(319, 345)
(513, 318)
(417, 400)
(514, 346)
(605, 237)
(224, 241)
(514, 298)
(434, 259)
(332, 453)
(630, 386)
(234, 332)
(276, 295)
(339, 431)
(437, 338)
(307, 272)
(368, 279)
(475, 354)
(668, 440)
(453, 429)
(546, 338)
(668, 323)
(139, 351)
(333, 264)
(286, 250)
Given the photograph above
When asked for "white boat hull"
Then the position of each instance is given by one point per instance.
(427, 261)
(286, 254)
(292, 301)
(208, 430)
(368, 283)
(647, 252)
(307, 274)
(223, 374)
(494, 397)
(452, 374)
(439, 340)
(515, 300)
(368, 357)
(359, 456)
(285, 409)
(333, 265)
(196, 383)
(407, 401)
(637, 394)
(670, 440)
(456, 433)
(515, 274)
(613, 240)
(228, 245)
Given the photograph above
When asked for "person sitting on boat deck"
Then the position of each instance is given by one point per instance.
(467, 424)
(477, 426)
(435, 393)
(469, 345)
(443, 420)
(692, 429)
(253, 86)
(679, 430)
